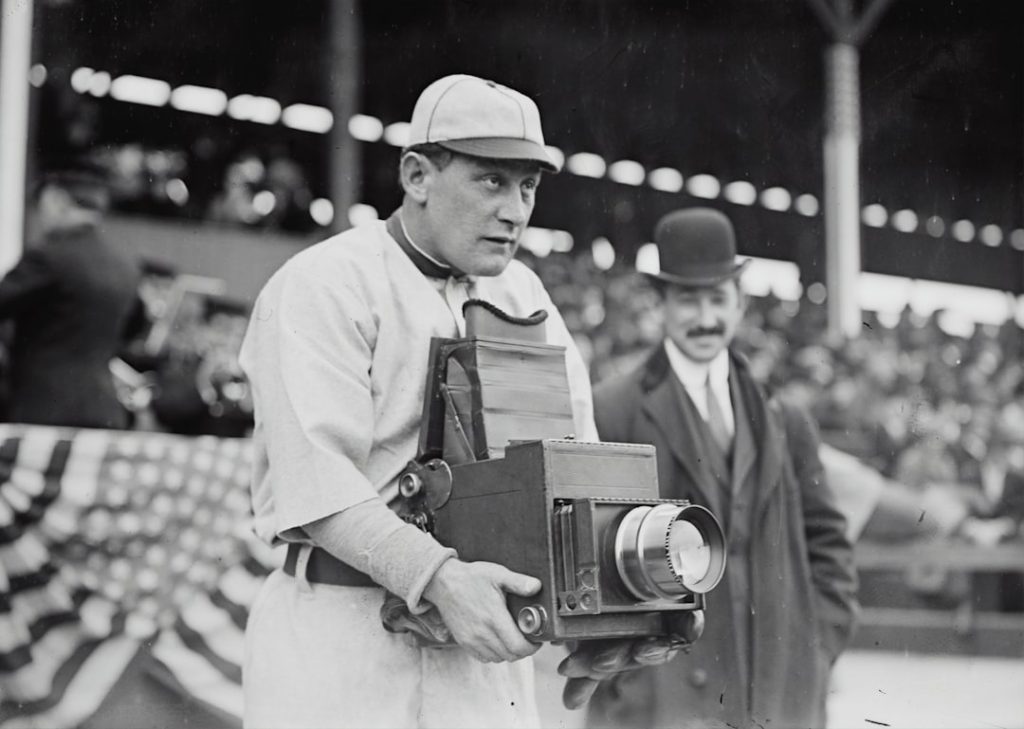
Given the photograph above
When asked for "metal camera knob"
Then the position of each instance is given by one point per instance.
(531, 619)
(410, 484)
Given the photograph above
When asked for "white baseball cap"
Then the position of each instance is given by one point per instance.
(480, 118)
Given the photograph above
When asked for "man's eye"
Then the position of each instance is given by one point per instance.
(530, 185)
(492, 181)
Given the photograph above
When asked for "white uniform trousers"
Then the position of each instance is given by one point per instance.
(317, 656)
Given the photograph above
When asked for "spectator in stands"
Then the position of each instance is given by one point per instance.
(785, 609)
(235, 201)
(201, 388)
(72, 298)
(337, 353)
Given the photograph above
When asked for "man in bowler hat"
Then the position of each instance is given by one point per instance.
(785, 609)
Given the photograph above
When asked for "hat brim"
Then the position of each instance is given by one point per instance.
(711, 276)
(503, 148)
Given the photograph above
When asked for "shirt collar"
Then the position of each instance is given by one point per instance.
(694, 375)
(427, 264)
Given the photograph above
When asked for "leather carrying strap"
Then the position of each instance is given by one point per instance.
(324, 569)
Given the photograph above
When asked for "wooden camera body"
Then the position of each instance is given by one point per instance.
(500, 478)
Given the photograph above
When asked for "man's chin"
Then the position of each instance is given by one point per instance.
(700, 352)
(492, 265)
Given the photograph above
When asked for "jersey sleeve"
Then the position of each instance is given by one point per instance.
(308, 353)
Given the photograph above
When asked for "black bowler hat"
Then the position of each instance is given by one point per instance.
(696, 247)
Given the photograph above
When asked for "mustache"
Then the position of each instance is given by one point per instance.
(706, 332)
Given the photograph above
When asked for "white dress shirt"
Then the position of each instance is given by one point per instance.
(694, 377)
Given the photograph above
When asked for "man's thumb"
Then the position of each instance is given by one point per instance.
(519, 584)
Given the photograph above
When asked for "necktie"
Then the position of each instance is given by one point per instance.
(716, 420)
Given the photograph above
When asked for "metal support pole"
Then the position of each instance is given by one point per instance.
(842, 189)
(15, 61)
(344, 75)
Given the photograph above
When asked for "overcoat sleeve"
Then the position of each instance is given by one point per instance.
(829, 549)
(26, 283)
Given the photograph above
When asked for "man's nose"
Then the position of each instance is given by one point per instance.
(514, 210)
(706, 313)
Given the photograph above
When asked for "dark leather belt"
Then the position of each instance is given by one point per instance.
(324, 569)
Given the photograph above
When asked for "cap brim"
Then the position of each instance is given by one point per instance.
(503, 148)
(709, 278)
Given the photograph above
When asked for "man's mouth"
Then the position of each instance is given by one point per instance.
(500, 240)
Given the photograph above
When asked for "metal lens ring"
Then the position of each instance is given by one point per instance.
(696, 548)
(667, 551)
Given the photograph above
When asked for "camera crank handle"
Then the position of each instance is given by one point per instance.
(685, 629)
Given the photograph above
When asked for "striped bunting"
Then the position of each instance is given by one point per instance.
(113, 544)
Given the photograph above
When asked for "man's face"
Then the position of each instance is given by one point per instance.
(701, 321)
(476, 210)
(62, 207)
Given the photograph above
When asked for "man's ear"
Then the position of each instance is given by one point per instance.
(417, 174)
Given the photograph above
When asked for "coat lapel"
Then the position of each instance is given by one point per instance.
(661, 404)
(767, 432)
(744, 447)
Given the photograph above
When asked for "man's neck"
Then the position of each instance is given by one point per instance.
(427, 264)
(416, 233)
(412, 241)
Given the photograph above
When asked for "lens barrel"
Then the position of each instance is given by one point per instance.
(668, 551)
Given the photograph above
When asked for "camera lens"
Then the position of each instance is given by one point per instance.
(668, 551)
(688, 552)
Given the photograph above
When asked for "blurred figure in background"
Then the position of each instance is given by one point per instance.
(73, 300)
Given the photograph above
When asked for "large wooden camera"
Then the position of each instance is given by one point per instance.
(500, 478)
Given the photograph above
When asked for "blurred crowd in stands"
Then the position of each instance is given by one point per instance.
(261, 191)
(921, 406)
(917, 403)
(929, 410)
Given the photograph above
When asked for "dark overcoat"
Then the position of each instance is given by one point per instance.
(786, 606)
(72, 299)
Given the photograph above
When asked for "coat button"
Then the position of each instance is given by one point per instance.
(698, 678)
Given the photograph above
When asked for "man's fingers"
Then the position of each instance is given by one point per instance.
(596, 659)
(612, 658)
(653, 652)
(574, 666)
(515, 644)
(577, 692)
(483, 653)
(471, 600)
